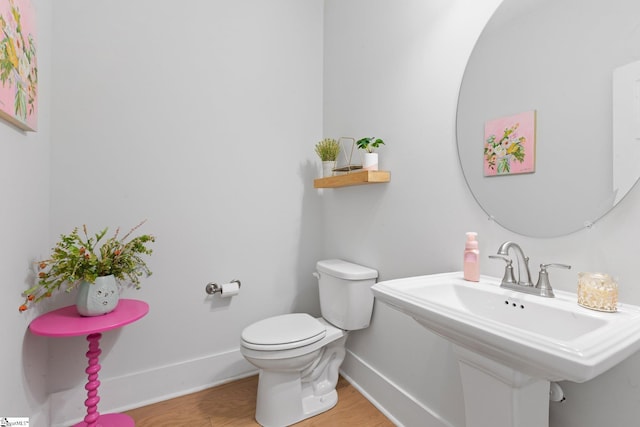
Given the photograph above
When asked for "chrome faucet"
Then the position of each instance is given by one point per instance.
(522, 261)
(542, 288)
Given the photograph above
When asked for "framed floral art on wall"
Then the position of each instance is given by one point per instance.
(510, 145)
(18, 64)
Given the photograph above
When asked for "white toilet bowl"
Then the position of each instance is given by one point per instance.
(299, 356)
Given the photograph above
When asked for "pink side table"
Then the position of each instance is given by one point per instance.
(66, 322)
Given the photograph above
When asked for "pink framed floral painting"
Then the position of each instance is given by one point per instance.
(18, 64)
(510, 145)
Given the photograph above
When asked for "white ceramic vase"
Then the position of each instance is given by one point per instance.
(370, 161)
(101, 297)
(327, 168)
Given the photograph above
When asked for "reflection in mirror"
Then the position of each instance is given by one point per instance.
(576, 64)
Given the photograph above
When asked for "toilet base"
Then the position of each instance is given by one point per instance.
(294, 387)
(279, 402)
(314, 405)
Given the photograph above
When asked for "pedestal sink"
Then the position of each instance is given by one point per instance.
(510, 345)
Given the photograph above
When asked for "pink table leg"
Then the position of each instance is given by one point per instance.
(93, 417)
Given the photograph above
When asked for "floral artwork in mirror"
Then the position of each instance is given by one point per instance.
(18, 64)
(510, 145)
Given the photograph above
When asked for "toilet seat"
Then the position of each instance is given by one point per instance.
(285, 332)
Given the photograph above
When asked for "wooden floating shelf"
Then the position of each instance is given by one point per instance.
(353, 178)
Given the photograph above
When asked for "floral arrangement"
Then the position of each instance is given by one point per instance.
(328, 150)
(18, 65)
(77, 257)
(369, 144)
(501, 152)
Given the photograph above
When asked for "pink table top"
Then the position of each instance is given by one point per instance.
(67, 322)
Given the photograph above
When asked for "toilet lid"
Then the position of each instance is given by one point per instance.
(283, 332)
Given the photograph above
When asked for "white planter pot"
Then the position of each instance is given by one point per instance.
(101, 297)
(370, 161)
(327, 168)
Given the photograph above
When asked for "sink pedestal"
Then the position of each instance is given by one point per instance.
(498, 396)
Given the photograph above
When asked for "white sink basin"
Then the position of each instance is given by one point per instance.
(547, 338)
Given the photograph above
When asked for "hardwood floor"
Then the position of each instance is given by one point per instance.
(234, 404)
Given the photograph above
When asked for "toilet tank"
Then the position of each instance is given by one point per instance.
(346, 300)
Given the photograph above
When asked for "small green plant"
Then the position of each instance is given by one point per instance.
(369, 144)
(77, 258)
(328, 150)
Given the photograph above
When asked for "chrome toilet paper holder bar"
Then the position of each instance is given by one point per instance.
(213, 288)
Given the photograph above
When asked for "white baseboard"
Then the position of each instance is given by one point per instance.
(394, 402)
(154, 385)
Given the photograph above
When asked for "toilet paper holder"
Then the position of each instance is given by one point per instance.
(213, 288)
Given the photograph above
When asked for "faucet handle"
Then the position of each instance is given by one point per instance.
(543, 279)
(545, 266)
(508, 270)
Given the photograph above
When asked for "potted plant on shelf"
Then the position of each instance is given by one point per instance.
(328, 150)
(370, 161)
(94, 266)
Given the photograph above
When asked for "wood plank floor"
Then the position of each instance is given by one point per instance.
(234, 404)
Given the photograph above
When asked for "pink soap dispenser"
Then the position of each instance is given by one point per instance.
(471, 258)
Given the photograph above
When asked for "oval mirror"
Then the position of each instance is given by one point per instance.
(548, 122)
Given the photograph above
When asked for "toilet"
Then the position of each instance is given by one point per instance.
(298, 355)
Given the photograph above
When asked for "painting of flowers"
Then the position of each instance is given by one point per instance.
(18, 64)
(510, 144)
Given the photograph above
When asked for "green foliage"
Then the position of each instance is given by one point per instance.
(504, 166)
(328, 149)
(369, 144)
(76, 258)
